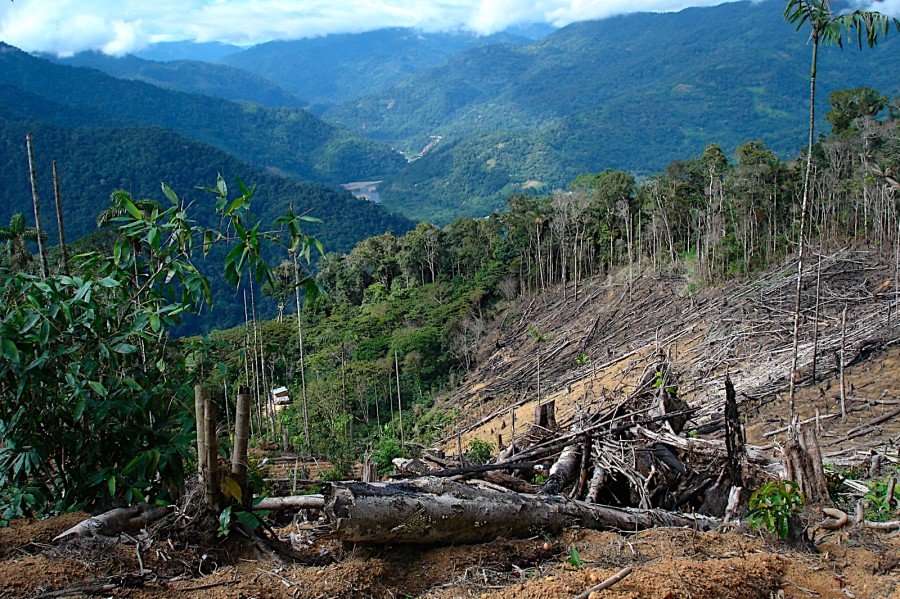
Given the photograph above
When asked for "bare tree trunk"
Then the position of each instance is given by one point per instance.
(804, 464)
(399, 397)
(59, 222)
(308, 447)
(563, 470)
(199, 415)
(36, 201)
(816, 318)
(804, 205)
(241, 437)
(438, 511)
(214, 474)
(843, 344)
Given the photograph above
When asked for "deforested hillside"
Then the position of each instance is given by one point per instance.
(595, 348)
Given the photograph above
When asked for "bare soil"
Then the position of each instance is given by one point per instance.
(666, 564)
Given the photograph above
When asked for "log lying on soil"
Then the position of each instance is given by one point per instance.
(116, 521)
(437, 511)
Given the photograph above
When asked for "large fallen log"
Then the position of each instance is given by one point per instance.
(437, 511)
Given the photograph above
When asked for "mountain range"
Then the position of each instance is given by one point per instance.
(477, 119)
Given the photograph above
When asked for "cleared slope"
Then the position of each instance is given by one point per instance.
(742, 329)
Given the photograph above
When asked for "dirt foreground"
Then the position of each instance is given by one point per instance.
(666, 563)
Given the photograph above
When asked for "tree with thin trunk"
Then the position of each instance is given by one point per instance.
(829, 28)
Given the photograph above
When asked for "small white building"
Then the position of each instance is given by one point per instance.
(280, 397)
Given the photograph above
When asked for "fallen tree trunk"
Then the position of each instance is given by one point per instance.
(116, 521)
(438, 511)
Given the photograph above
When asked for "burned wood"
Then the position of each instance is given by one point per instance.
(734, 436)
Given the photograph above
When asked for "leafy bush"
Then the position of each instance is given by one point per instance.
(773, 504)
(479, 452)
(94, 401)
(881, 504)
(387, 449)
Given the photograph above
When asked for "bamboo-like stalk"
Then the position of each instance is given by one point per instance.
(843, 346)
(36, 201)
(302, 364)
(59, 222)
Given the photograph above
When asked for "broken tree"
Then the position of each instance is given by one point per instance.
(438, 511)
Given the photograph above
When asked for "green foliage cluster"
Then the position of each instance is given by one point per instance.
(882, 505)
(773, 504)
(479, 452)
(96, 403)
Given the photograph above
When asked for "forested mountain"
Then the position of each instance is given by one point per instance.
(94, 162)
(288, 140)
(185, 50)
(339, 68)
(631, 92)
(192, 76)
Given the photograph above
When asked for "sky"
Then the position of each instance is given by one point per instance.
(118, 27)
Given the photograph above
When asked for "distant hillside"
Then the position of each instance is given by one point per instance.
(339, 68)
(632, 92)
(192, 76)
(288, 140)
(94, 162)
(736, 70)
(185, 50)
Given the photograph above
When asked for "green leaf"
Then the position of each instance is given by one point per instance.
(111, 483)
(221, 186)
(248, 519)
(167, 191)
(30, 321)
(10, 349)
(98, 387)
(235, 204)
(45, 332)
(128, 205)
(79, 410)
(155, 323)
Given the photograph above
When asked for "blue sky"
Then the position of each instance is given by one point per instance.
(121, 26)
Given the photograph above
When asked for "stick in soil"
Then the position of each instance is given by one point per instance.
(615, 578)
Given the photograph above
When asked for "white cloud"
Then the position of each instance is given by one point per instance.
(120, 26)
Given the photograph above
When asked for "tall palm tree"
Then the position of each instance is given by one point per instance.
(830, 28)
(17, 235)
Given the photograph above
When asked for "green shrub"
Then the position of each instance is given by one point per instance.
(479, 452)
(773, 504)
